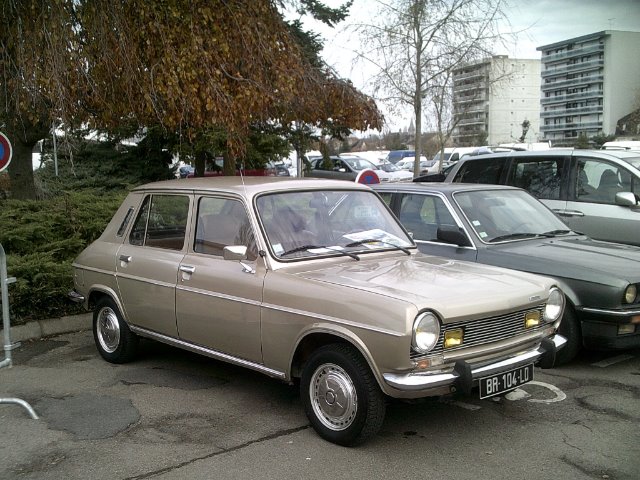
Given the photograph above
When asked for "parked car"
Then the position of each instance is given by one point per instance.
(394, 156)
(344, 168)
(594, 191)
(509, 228)
(185, 170)
(407, 163)
(312, 280)
(395, 173)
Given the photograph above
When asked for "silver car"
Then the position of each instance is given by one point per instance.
(596, 192)
(316, 281)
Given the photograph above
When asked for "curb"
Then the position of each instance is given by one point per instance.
(37, 329)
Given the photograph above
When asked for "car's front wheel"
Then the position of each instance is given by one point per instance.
(341, 396)
(115, 342)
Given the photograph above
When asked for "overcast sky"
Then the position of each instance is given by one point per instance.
(541, 22)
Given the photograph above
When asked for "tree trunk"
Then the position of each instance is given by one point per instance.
(21, 169)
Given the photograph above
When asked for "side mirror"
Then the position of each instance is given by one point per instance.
(238, 253)
(235, 252)
(454, 235)
(626, 199)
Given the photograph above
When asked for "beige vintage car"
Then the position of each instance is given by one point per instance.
(312, 280)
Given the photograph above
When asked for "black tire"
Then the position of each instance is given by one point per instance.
(115, 342)
(337, 375)
(570, 329)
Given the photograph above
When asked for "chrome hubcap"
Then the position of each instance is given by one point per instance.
(333, 397)
(108, 329)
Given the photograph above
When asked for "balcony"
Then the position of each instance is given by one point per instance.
(576, 52)
(471, 121)
(571, 126)
(465, 87)
(563, 112)
(476, 73)
(469, 99)
(572, 82)
(576, 67)
(593, 94)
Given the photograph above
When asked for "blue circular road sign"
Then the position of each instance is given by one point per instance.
(5, 151)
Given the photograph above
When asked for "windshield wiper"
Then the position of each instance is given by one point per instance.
(553, 233)
(309, 247)
(513, 236)
(375, 240)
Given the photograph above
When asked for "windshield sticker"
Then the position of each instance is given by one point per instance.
(277, 248)
(365, 212)
(377, 234)
(483, 234)
(476, 223)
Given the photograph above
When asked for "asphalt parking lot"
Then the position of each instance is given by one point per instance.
(173, 414)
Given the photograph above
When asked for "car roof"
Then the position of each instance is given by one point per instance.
(247, 186)
(438, 187)
(555, 152)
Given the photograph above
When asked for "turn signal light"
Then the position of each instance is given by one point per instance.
(453, 338)
(531, 319)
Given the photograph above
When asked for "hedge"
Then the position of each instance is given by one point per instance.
(41, 238)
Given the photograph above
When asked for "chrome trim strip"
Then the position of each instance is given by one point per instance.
(207, 352)
(423, 380)
(618, 313)
(136, 278)
(340, 321)
(111, 273)
(209, 293)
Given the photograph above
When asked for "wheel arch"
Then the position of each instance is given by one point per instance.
(101, 291)
(319, 336)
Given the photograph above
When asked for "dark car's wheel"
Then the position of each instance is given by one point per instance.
(569, 329)
(115, 342)
(341, 396)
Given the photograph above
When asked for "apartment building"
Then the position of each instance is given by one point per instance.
(493, 97)
(588, 84)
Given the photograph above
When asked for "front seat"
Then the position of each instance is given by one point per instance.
(608, 186)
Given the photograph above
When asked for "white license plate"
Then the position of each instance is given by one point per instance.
(505, 381)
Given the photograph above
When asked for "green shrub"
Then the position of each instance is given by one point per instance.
(41, 239)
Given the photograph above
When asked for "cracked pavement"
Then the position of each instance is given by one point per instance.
(175, 415)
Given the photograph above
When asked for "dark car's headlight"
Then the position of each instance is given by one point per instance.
(630, 294)
(426, 330)
(555, 305)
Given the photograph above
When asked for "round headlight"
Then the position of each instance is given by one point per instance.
(426, 330)
(630, 294)
(555, 305)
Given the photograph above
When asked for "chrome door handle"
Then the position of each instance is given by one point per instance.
(125, 258)
(569, 213)
(187, 269)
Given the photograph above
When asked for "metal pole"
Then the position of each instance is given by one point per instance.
(55, 150)
(4, 281)
(8, 346)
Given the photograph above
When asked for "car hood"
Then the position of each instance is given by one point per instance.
(575, 257)
(457, 290)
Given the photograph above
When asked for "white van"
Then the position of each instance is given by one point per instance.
(453, 154)
(632, 145)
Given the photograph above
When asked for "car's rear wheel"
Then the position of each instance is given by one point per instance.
(341, 396)
(569, 329)
(115, 342)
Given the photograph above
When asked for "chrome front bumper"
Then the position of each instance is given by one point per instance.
(462, 377)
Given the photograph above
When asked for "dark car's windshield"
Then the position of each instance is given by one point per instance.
(507, 215)
(319, 223)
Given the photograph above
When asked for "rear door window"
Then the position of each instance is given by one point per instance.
(161, 222)
(486, 170)
(540, 176)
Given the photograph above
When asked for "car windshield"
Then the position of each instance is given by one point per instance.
(306, 224)
(508, 215)
(389, 167)
(635, 161)
(359, 163)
